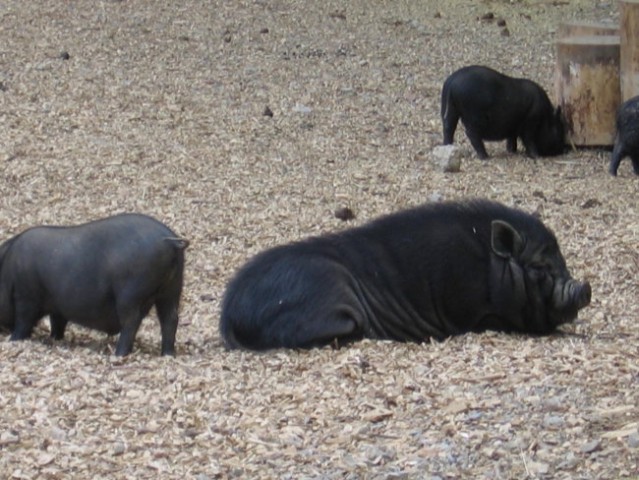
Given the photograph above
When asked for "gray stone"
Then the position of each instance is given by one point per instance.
(591, 446)
(447, 158)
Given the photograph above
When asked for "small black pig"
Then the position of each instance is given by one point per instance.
(105, 274)
(429, 272)
(493, 106)
(627, 138)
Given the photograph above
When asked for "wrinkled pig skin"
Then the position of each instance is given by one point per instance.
(428, 272)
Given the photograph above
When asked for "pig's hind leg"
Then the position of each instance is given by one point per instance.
(318, 308)
(618, 153)
(477, 142)
(27, 314)
(58, 326)
(338, 326)
(167, 310)
(450, 119)
(130, 314)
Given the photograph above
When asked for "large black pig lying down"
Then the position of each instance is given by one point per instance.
(429, 272)
(105, 274)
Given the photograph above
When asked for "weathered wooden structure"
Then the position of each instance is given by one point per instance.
(580, 28)
(587, 87)
(597, 69)
(629, 54)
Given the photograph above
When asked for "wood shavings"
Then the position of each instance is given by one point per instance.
(159, 108)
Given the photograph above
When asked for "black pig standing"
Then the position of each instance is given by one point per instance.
(493, 106)
(105, 274)
(429, 272)
(627, 138)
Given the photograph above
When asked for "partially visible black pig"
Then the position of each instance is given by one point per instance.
(105, 274)
(429, 272)
(627, 138)
(493, 106)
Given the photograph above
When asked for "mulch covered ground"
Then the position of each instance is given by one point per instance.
(247, 124)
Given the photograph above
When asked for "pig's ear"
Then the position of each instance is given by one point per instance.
(505, 240)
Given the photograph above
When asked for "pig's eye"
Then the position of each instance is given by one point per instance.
(547, 251)
(538, 270)
(538, 264)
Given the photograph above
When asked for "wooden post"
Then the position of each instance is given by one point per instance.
(580, 28)
(587, 87)
(629, 39)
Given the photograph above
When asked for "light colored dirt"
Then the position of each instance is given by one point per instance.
(159, 109)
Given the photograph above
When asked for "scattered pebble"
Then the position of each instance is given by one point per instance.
(633, 440)
(8, 437)
(298, 108)
(591, 446)
(590, 203)
(435, 197)
(553, 421)
(118, 449)
(538, 468)
(345, 214)
(539, 194)
(447, 158)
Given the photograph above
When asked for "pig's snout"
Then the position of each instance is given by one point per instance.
(583, 293)
(572, 295)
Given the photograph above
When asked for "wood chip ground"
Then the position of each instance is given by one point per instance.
(244, 124)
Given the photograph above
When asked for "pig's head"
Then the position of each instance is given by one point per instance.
(551, 134)
(530, 280)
